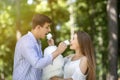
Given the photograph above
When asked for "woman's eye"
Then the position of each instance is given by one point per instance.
(46, 27)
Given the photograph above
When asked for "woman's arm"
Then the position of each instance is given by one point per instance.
(59, 78)
(68, 79)
(84, 65)
(56, 78)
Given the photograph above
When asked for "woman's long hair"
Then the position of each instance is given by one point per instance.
(87, 50)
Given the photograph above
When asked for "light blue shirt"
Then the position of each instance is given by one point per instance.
(28, 59)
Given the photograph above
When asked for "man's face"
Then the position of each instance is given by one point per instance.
(43, 30)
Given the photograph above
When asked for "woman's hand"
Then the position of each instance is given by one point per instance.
(51, 42)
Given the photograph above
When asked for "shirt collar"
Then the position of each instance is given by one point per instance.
(32, 37)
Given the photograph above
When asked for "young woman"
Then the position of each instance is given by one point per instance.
(81, 65)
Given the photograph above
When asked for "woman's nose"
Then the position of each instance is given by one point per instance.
(49, 30)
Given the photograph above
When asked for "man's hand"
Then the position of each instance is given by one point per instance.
(60, 49)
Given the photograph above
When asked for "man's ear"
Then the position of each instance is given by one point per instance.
(38, 26)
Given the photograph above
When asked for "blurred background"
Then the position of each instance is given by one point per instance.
(99, 18)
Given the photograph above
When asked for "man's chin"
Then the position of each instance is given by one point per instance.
(43, 37)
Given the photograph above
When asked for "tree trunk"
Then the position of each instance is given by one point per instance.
(113, 39)
(118, 35)
(53, 28)
(72, 26)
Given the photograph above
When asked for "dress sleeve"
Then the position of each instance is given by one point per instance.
(78, 75)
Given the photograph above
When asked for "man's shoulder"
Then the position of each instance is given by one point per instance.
(25, 39)
(25, 36)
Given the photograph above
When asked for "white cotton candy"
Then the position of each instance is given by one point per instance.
(67, 42)
(49, 36)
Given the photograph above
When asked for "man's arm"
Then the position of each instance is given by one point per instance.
(60, 49)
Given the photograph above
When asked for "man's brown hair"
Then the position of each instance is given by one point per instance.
(40, 19)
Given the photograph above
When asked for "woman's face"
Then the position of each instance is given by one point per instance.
(74, 45)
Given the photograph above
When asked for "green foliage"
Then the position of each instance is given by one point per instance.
(92, 19)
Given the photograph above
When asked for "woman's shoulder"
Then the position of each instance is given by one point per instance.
(84, 59)
(84, 64)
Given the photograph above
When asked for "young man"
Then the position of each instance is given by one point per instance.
(28, 58)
